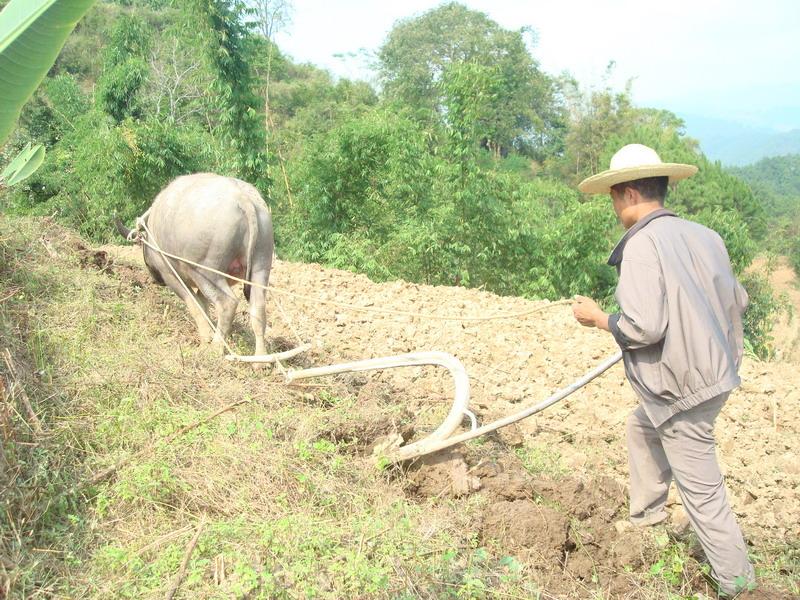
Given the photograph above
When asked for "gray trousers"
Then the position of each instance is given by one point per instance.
(683, 449)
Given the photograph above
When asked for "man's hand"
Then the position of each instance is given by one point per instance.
(588, 313)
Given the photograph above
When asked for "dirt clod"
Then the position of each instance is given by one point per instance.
(440, 474)
(523, 524)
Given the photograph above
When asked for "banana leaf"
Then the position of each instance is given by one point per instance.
(32, 33)
(24, 165)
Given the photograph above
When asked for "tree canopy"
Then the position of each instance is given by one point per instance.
(426, 57)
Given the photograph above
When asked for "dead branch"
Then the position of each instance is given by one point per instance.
(18, 390)
(185, 563)
(12, 292)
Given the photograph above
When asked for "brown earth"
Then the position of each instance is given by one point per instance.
(571, 516)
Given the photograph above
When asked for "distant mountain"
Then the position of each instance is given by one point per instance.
(776, 182)
(735, 144)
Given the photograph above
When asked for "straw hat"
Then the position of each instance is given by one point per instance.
(634, 161)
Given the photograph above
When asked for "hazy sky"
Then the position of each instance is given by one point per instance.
(731, 59)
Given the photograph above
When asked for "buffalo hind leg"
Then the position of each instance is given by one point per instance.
(225, 304)
(198, 313)
(258, 310)
(203, 326)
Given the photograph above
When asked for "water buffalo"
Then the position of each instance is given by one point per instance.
(220, 222)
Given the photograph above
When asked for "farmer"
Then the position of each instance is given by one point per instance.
(679, 326)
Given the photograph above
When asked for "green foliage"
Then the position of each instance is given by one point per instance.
(794, 255)
(306, 102)
(483, 59)
(733, 230)
(760, 316)
(67, 100)
(471, 95)
(711, 188)
(125, 69)
(775, 181)
(118, 88)
(671, 566)
(87, 43)
(571, 253)
(460, 172)
(225, 39)
(595, 118)
(378, 199)
(23, 166)
(100, 169)
(778, 176)
(604, 121)
(130, 38)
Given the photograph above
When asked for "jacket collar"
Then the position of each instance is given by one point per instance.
(616, 255)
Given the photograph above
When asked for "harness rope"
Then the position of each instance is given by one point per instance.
(386, 311)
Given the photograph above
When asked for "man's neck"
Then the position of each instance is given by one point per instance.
(645, 208)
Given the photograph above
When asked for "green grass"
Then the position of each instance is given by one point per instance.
(541, 461)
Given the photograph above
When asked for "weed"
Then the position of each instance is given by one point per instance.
(540, 460)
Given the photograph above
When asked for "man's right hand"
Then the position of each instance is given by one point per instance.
(588, 313)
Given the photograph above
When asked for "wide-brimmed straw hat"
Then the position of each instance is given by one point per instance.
(634, 161)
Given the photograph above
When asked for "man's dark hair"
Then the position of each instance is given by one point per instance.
(652, 188)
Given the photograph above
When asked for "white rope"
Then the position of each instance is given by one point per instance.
(386, 311)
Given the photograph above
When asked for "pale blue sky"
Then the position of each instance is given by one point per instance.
(730, 59)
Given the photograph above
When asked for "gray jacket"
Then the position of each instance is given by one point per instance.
(680, 319)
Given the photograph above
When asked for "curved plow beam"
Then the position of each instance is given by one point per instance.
(268, 358)
(440, 439)
(415, 359)
(417, 450)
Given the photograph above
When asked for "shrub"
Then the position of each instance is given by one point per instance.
(759, 319)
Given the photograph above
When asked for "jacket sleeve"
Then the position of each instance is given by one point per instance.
(642, 320)
(742, 299)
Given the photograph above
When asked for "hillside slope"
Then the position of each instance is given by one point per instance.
(283, 487)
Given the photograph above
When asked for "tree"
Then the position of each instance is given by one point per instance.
(125, 68)
(225, 39)
(474, 108)
(270, 17)
(177, 83)
(420, 51)
(594, 117)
